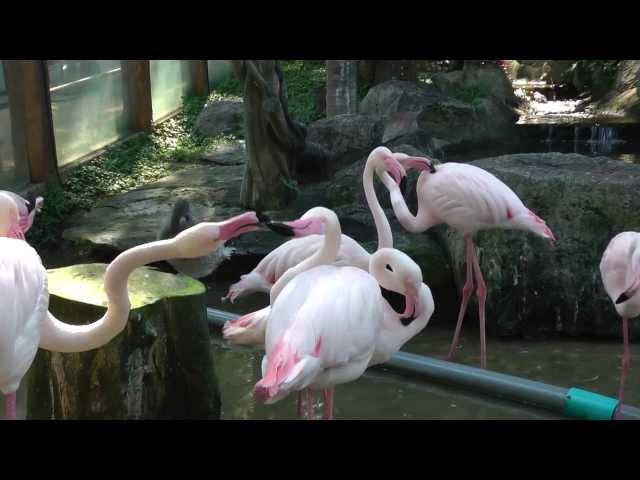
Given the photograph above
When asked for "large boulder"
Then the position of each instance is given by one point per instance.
(221, 118)
(488, 80)
(538, 289)
(461, 123)
(624, 99)
(398, 96)
(450, 114)
(347, 137)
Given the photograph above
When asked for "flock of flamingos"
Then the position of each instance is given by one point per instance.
(330, 316)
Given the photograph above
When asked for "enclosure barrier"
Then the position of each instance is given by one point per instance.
(572, 402)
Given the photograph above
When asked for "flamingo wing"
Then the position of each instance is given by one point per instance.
(23, 283)
(469, 198)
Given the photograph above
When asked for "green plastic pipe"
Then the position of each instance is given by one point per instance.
(572, 402)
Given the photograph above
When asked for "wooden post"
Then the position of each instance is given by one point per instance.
(136, 78)
(31, 119)
(199, 78)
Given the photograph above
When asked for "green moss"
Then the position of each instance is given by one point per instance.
(85, 283)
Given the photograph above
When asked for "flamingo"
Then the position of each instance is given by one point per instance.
(250, 328)
(325, 319)
(620, 272)
(181, 219)
(468, 199)
(26, 323)
(26, 215)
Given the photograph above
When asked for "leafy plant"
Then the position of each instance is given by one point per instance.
(142, 159)
(472, 94)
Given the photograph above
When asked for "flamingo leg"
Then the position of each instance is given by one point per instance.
(299, 405)
(482, 297)
(626, 361)
(328, 403)
(10, 406)
(466, 295)
(309, 405)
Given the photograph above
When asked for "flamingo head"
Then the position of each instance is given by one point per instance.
(386, 164)
(397, 273)
(9, 216)
(313, 222)
(206, 237)
(422, 164)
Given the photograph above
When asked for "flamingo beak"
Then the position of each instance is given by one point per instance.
(419, 163)
(298, 228)
(412, 304)
(395, 169)
(247, 222)
(403, 186)
(622, 298)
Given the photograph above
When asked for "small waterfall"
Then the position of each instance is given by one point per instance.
(549, 139)
(601, 140)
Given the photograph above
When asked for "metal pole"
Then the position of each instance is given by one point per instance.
(572, 402)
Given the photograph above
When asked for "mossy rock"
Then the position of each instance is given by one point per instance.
(159, 367)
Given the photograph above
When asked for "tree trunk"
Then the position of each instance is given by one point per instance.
(159, 367)
(342, 87)
(273, 140)
(373, 72)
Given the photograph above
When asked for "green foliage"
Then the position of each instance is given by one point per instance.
(472, 94)
(304, 78)
(142, 159)
(598, 75)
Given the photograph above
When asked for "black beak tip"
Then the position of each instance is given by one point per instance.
(622, 298)
(403, 186)
(262, 218)
(281, 229)
(432, 167)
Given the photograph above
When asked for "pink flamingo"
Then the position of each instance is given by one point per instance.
(468, 199)
(250, 328)
(25, 217)
(26, 323)
(620, 272)
(325, 320)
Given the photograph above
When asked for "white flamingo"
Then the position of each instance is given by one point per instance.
(26, 324)
(468, 199)
(326, 320)
(250, 328)
(620, 272)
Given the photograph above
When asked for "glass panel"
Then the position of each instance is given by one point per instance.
(87, 104)
(218, 69)
(170, 81)
(12, 176)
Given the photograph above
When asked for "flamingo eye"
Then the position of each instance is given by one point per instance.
(388, 267)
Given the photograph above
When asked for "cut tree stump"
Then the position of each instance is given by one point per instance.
(159, 367)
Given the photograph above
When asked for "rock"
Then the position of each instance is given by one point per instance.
(221, 118)
(347, 137)
(535, 289)
(624, 99)
(399, 125)
(488, 80)
(469, 124)
(234, 153)
(398, 96)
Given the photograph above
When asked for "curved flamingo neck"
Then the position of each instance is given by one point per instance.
(383, 229)
(326, 255)
(58, 336)
(422, 220)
